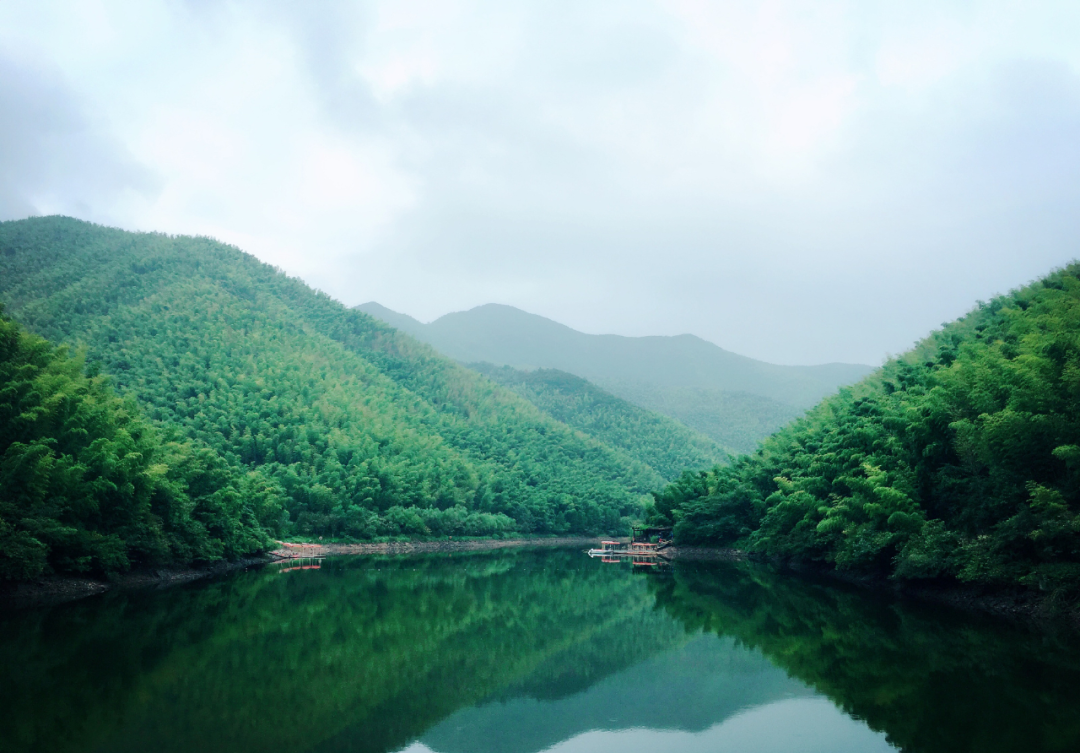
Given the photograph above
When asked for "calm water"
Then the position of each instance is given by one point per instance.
(522, 651)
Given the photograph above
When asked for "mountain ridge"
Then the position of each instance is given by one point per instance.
(460, 331)
(655, 372)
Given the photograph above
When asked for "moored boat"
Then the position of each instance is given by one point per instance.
(619, 549)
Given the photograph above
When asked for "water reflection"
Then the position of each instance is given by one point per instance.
(524, 651)
(704, 695)
(809, 725)
(931, 679)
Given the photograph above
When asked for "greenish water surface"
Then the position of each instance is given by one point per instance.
(520, 651)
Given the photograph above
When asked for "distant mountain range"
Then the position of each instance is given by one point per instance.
(735, 400)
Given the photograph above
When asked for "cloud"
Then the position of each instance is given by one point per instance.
(53, 157)
(797, 182)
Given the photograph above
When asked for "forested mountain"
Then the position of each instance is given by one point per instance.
(361, 429)
(719, 393)
(655, 440)
(87, 485)
(959, 459)
(737, 421)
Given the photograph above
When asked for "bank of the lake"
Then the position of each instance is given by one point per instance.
(294, 549)
(1016, 604)
(57, 589)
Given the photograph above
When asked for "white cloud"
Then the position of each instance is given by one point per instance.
(799, 181)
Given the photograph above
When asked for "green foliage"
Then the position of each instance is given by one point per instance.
(737, 421)
(648, 437)
(87, 485)
(340, 416)
(959, 459)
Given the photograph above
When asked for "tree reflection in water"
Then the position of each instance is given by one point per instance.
(513, 651)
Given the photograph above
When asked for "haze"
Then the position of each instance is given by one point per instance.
(796, 182)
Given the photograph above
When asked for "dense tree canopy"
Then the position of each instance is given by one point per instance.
(737, 421)
(959, 459)
(87, 485)
(364, 430)
(656, 440)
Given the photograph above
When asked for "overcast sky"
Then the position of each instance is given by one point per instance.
(801, 182)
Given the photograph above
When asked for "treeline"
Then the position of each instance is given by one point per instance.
(87, 485)
(651, 438)
(960, 459)
(360, 430)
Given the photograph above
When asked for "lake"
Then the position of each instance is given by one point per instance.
(517, 651)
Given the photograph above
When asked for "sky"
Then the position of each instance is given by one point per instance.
(800, 182)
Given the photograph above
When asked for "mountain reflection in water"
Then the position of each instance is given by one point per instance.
(522, 651)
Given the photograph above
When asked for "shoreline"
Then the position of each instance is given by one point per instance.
(58, 589)
(51, 590)
(1014, 604)
(313, 549)
(1017, 605)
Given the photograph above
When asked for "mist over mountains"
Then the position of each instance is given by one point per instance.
(735, 400)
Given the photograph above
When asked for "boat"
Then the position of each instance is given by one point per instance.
(607, 549)
(619, 549)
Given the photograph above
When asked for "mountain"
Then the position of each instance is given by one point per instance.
(655, 440)
(362, 430)
(959, 459)
(657, 373)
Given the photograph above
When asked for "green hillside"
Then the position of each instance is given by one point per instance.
(717, 392)
(735, 420)
(959, 459)
(655, 440)
(87, 485)
(363, 430)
